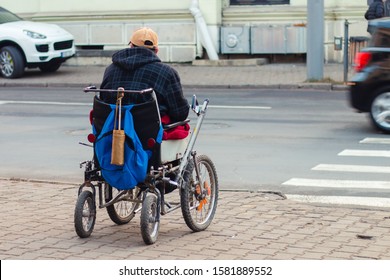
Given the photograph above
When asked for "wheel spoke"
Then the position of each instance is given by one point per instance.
(122, 211)
(7, 64)
(85, 214)
(199, 207)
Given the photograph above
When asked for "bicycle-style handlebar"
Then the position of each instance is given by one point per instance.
(94, 89)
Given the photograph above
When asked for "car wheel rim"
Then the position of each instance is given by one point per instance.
(6, 63)
(381, 110)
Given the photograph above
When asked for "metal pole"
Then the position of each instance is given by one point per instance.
(346, 50)
(315, 39)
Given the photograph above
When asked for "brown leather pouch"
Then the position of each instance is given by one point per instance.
(118, 135)
(118, 147)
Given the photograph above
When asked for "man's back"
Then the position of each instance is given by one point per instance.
(139, 68)
(375, 10)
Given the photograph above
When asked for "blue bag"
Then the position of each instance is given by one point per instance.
(135, 159)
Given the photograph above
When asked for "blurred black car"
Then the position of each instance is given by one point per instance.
(370, 86)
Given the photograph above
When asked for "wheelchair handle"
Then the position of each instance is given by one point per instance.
(196, 108)
(205, 104)
(94, 89)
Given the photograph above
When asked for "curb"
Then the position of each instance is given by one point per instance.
(38, 181)
(278, 194)
(231, 62)
(308, 86)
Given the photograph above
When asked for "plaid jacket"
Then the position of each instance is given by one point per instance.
(375, 10)
(140, 68)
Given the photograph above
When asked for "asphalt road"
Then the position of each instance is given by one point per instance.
(258, 139)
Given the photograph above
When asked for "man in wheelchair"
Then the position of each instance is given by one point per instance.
(138, 68)
(146, 96)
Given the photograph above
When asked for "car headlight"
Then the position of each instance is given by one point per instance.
(34, 35)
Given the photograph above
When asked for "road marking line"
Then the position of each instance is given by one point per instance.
(352, 168)
(375, 141)
(349, 200)
(240, 107)
(365, 153)
(325, 183)
(4, 102)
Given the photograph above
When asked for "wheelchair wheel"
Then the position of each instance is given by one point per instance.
(122, 211)
(149, 223)
(85, 214)
(198, 209)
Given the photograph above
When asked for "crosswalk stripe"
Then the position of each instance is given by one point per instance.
(368, 140)
(328, 183)
(346, 200)
(365, 153)
(347, 184)
(240, 107)
(352, 168)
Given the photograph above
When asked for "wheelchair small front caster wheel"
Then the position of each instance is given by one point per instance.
(149, 219)
(85, 214)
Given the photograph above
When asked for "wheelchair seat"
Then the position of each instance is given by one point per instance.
(172, 150)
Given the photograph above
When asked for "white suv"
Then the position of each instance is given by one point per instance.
(31, 44)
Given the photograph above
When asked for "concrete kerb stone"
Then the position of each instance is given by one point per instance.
(230, 62)
(43, 85)
(319, 86)
(338, 87)
(201, 74)
(314, 86)
(38, 181)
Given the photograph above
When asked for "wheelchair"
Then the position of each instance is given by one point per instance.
(172, 166)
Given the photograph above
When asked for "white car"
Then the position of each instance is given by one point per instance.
(27, 44)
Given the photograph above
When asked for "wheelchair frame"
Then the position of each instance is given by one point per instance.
(194, 176)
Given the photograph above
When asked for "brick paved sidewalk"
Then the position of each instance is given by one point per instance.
(37, 223)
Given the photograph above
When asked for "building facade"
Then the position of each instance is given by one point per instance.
(235, 28)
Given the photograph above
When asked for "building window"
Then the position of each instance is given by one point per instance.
(259, 2)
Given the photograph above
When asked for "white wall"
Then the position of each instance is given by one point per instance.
(110, 23)
(331, 3)
(47, 6)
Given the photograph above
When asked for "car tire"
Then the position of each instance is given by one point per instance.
(380, 110)
(11, 62)
(50, 67)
